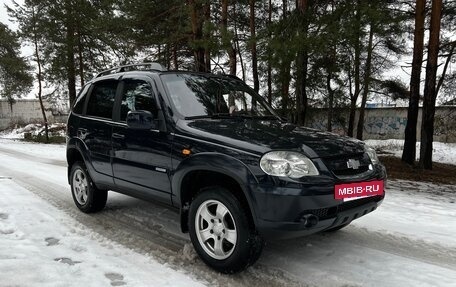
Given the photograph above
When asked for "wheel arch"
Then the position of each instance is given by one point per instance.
(208, 170)
(77, 151)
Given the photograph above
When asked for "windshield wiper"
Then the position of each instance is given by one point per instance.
(213, 116)
(255, 117)
(268, 117)
(235, 115)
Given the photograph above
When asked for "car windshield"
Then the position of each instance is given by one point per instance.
(202, 96)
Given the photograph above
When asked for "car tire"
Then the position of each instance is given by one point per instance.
(86, 196)
(221, 232)
(337, 228)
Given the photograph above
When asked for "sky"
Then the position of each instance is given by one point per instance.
(4, 16)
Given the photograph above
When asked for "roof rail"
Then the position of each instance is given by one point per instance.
(132, 67)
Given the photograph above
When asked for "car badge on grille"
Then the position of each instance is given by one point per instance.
(353, 163)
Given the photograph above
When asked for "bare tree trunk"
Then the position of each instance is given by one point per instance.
(285, 87)
(302, 64)
(253, 47)
(332, 62)
(285, 69)
(351, 117)
(207, 52)
(226, 39)
(197, 33)
(367, 79)
(39, 75)
(70, 62)
(241, 61)
(80, 55)
(330, 100)
(409, 152)
(357, 63)
(445, 67)
(427, 126)
(269, 69)
(167, 56)
(175, 61)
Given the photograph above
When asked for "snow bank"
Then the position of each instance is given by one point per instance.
(442, 152)
(56, 129)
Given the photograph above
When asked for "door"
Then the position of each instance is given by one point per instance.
(95, 128)
(141, 158)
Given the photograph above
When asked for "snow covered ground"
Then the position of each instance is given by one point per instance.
(442, 152)
(410, 240)
(40, 246)
(45, 151)
(418, 210)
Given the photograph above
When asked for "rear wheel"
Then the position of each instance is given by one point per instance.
(221, 232)
(85, 194)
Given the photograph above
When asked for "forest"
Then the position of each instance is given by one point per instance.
(301, 54)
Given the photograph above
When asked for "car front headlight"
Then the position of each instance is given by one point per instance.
(372, 155)
(285, 163)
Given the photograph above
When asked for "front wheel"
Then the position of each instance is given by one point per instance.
(85, 194)
(221, 232)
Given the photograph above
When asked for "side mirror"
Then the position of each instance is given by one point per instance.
(141, 120)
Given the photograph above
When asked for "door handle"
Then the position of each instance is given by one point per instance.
(118, 136)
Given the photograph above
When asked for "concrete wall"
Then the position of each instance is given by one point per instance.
(23, 111)
(387, 123)
(380, 123)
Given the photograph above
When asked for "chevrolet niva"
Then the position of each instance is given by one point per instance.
(213, 149)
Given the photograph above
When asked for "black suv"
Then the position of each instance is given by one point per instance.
(212, 148)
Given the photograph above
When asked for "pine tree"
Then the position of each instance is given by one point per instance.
(430, 95)
(15, 78)
(409, 152)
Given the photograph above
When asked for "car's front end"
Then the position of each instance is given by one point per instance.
(299, 195)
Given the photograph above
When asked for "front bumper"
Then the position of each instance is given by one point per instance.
(283, 230)
(282, 211)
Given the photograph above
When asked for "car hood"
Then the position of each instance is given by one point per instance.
(260, 136)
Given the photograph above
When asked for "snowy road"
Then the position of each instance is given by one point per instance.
(409, 241)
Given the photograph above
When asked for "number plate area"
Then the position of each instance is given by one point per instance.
(352, 191)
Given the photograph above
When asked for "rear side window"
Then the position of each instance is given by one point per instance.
(137, 95)
(101, 99)
(80, 100)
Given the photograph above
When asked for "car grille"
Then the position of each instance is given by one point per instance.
(325, 213)
(339, 165)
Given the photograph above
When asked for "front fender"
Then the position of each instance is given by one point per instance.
(220, 163)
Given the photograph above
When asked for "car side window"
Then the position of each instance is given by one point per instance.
(137, 95)
(102, 99)
(80, 100)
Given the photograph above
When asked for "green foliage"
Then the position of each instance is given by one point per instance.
(15, 78)
(395, 88)
(320, 53)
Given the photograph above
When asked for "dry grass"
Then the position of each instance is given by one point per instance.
(440, 173)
